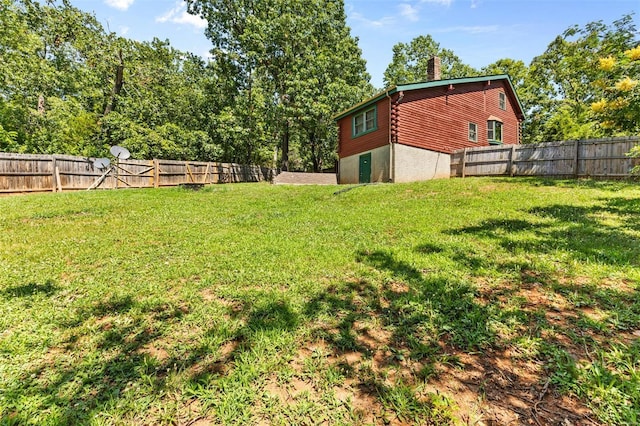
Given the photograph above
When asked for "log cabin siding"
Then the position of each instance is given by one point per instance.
(349, 145)
(425, 122)
(437, 118)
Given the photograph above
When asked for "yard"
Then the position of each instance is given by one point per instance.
(472, 301)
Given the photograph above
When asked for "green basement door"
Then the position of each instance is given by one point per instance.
(365, 168)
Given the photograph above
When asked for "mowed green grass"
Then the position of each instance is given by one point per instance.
(261, 304)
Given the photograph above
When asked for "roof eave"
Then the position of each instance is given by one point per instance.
(367, 102)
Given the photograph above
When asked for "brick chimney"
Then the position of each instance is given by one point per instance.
(433, 69)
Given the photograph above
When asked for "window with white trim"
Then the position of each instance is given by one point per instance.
(502, 101)
(473, 132)
(365, 122)
(494, 131)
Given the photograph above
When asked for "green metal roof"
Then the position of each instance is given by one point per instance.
(430, 84)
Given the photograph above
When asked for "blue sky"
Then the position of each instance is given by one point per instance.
(478, 31)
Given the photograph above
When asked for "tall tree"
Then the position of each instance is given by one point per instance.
(563, 77)
(44, 74)
(517, 71)
(409, 62)
(285, 55)
(618, 109)
(159, 109)
(67, 86)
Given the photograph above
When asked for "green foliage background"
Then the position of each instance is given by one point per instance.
(279, 71)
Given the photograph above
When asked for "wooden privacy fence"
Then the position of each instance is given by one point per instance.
(593, 158)
(38, 173)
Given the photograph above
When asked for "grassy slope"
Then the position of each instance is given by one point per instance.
(249, 303)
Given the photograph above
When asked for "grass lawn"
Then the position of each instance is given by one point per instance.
(464, 301)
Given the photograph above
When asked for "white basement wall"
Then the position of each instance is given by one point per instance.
(349, 167)
(411, 165)
(415, 164)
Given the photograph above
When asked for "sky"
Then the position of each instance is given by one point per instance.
(479, 32)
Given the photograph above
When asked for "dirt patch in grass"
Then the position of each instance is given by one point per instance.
(221, 364)
(497, 385)
(398, 287)
(501, 386)
(201, 422)
(495, 388)
(287, 392)
(210, 295)
(53, 356)
(151, 349)
(364, 402)
(506, 384)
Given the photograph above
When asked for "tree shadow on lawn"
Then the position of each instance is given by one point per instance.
(567, 319)
(600, 184)
(377, 339)
(392, 338)
(406, 345)
(581, 232)
(104, 355)
(417, 341)
(116, 360)
(47, 288)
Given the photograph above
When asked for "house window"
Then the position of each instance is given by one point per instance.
(494, 131)
(365, 122)
(473, 132)
(502, 101)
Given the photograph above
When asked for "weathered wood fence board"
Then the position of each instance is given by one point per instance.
(39, 173)
(594, 158)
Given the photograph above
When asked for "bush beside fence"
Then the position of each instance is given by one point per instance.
(40, 173)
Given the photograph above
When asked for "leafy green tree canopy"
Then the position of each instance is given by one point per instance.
(618, 109)
(409, 63)
(562, 81)
(62, 76)
(291, 65)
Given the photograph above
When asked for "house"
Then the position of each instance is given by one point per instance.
(408, 132)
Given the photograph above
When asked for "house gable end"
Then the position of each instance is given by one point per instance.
(434, 84)
(446, 118)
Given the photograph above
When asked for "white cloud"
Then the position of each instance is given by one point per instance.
(409, 12)
(124, 31)
(374, 23)
(119, 4)
(179, 15)
(478, 29)
(441, 2)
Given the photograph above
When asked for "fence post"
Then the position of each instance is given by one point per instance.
(156, 173)
(206, 173)
(188, 177)
(58, 180)
(54, 181)
(512, 165)
(576, 159)
(464, 162)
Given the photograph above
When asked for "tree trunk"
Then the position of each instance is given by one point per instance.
(117, 85)
(41, 107)
(316, 155)
(284, 163)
